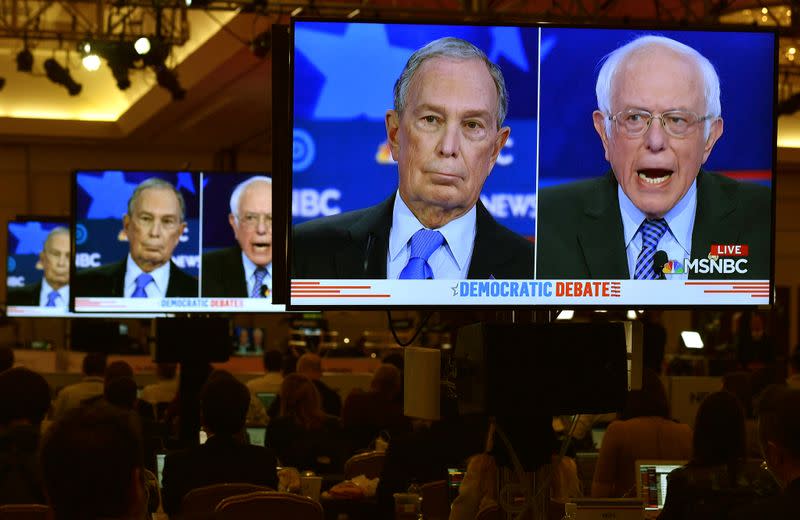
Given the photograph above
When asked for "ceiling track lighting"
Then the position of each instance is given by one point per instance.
(61, 76)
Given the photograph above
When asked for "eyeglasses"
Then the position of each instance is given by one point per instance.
(677, 123)
(147, 221)
(253, 220)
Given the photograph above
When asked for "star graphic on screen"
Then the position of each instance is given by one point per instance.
(343, 59)
(30, 237)
(185, 181)
(455, 290)
(109, 192)
(507, 42)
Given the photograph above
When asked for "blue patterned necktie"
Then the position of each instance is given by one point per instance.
(51, 298)
(652, 231)
(260, 273)
(141, 282)
(423, 243)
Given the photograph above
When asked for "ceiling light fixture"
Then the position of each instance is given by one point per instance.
(61, 76)
(25, 60)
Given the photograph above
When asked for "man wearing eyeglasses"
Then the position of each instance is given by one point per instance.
(659, 117)
(244, 270)
(153, 224)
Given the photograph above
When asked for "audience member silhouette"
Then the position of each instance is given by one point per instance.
(92, 465)
(225, 456)
(718, 478)
(24, 402)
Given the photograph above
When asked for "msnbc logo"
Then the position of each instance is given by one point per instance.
(673, 267)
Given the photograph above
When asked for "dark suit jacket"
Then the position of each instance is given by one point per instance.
(221, 459)
(223, 274)
(580, 232)
(322, 449)
(109, 281)
(355, 245)
(26, 295)
(784, 506)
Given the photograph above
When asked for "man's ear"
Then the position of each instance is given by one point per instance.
(392, 129)
(599, 120)
(499, 142)
(713, 135)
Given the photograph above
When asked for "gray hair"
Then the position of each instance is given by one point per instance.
(159, 184)
(53, 232)
(455, 48)
(615, 59)
(239, 190)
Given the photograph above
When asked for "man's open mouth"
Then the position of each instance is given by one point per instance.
(261, 246)
(654, 175)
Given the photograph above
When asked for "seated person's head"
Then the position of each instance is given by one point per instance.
(719, 431)
(166, 371)
(650, 401)
(116, 370)
(395, 359)
(92, 464)
(24, 397)
(779, 431)
(740, 384)
(300, 400)
(273, 360)
(94, 364)
(6, 358)
(310, 365)
(386, 380)
(121, 391)
(224, 401)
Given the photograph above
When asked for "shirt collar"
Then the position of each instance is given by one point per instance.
(459, 234)
(680, 218)
(63, 293)
(160, 275)
(250, 267)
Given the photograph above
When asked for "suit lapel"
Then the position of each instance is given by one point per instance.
(488, 256)
(600, 234)
(236, 281)
(715, 221)
(118, 280)
(369, 242)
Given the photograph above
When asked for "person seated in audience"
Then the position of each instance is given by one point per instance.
(121, 369)
(121, 392)
(24, 402)
(310, 365)
(91, 386)
(424, 454)
(740, 384)
(271, 381)
(644, 431)
(6, 358)
(92, 465)
(718, 477)
(366, 414)
(479, 487)
(165, 389)
(303, 436)
(225, 456)
(779, 433)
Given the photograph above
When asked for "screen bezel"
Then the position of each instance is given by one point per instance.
(286, 168)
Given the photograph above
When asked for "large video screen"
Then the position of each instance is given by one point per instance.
(531, 165)
(148, 241)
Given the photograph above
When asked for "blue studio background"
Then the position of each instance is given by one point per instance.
(102, 200)
(570, 149)
(25, 242)
(344, 74)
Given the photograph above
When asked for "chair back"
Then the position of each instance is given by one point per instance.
(491, 512)
(24, 512)
(435, 500)
(369, 464)
(269, 504)
(199, 503)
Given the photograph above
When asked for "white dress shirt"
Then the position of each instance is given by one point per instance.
(450, 261)
(155, 289)
(250, 276)
(676, 242)
(62, 300)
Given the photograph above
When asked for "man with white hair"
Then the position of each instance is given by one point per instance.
(53, 289)
(445, 132)
(658, 117)
(244, 270)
